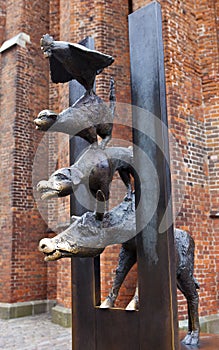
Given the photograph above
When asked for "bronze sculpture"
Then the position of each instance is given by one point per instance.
(186, 282)
(89, 234)
(87, 118)
(95, 167)
(86, 237)
(92, 170)
(73, 61)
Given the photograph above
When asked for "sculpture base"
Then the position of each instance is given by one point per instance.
(62, 316)
(22, 309)
(207, 342)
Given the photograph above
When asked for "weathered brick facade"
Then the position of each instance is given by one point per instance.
(24, 87)
(190, 32)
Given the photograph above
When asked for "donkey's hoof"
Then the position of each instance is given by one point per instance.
(106, 304)
(191, 338)
(132, 306)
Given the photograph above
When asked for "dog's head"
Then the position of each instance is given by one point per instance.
(58, 185)
(45, 120)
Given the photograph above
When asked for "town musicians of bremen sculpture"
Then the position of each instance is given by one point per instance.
(89, 234)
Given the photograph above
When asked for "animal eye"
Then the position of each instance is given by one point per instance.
(62, 177)
(53, 116)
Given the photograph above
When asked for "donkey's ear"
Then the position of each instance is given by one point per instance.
(76, 176)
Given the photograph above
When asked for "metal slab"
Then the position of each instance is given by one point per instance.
(158, 307)
(94, 328)
(117, 329)
(154, 326)
(86, 271)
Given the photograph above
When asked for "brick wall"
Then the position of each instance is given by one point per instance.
(208, 30)
(107, 23)
(24, 89)
(2, 19)
(190, 32)
(191, 57)
(7, 143)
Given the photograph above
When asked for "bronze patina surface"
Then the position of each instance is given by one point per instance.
(95, 168)
(73, 61)
(87, 237)
(88, 117)
(206, 342)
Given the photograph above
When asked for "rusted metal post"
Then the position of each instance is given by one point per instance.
(156, 269)
(85, 271)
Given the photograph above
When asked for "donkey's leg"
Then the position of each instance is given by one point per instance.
(127, 259)
(125, 177)
(186, 284)
(134, 303)
(101, 198)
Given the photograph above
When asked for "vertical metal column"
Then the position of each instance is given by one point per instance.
(156, 253)
(85, 271)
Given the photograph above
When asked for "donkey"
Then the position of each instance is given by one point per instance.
(186, 282)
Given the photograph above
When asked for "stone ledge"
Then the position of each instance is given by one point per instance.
(20, 39)
(27, 308)
(62, 316)
(209, 324)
